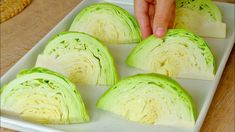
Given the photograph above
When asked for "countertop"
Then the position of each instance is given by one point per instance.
(19, 34)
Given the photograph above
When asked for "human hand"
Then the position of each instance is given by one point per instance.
(155, 16)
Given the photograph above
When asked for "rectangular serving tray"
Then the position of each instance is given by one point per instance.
(101, 121)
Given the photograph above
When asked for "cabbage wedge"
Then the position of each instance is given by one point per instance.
(200, 16)
(150, 99)
(108, 22)
(80, 57)
(43, 96)
(179, 54)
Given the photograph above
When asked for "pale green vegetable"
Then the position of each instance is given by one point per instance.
(43, 96)
(150, 99)
(107, 22)
(80, 57)
(178, 54)
(200, 16)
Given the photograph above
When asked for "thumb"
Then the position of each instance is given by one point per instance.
(162, 17)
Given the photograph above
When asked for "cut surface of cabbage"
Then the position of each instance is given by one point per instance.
(179, 54)
(107, 22)
(43, 96)
(80, 57)
(202, 17)
(150, 99)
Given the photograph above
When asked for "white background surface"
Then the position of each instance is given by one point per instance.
(201, 91)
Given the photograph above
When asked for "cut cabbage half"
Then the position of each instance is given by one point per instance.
(178, 54)
(150, 99)
(80, 57)
(200, 16)
(107, 22)
(43, 96)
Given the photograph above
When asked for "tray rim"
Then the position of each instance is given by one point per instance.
(15, 124)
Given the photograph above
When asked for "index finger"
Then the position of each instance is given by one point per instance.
(141, 13)
(162, 16)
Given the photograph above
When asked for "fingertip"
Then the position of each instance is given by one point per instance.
(159, 32)
(145, 29)
(145, 35)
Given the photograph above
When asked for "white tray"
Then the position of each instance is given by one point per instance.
(101, 121)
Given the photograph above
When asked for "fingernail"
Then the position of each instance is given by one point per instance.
(159, 31)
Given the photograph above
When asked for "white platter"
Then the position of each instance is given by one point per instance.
(101, 121)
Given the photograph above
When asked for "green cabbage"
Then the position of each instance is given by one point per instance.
(80, 57)
(108, 22)
(178, 54)
(43, 96)
(200, 16)
(150, 99)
